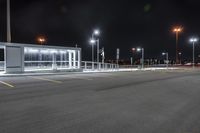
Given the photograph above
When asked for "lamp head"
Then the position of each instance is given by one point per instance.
(96, 32)
(92, 41)
(139, 49)
(193, 40)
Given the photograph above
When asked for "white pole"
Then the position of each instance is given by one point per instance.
(98, 51)
(98, 54)
(92, 53)
(142, 58)
(70, 60)
(8, 22)
(167, 57)
(193, 54)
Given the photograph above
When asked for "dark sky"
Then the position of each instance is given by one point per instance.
(123, 23)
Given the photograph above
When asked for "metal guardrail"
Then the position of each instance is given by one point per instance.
(145, 66)
(88, 65)
(48, 65)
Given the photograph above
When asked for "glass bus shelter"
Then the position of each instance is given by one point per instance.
(50, 59)
(28, 58)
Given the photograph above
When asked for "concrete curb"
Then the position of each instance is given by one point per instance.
(84, 72)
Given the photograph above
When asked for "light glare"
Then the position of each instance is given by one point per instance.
(96, 32)
(139, 49)
(92, 41)
(193, 40)
(178, 29)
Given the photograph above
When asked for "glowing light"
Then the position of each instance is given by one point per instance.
(92, 41)
(139, 49)
(96, 32)
(178, 29)
(133, 49)
(193, 40)
(41, 40)
(163, 53)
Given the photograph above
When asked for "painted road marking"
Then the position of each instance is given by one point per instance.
(76, 77)
(45, 79)
(7, 84)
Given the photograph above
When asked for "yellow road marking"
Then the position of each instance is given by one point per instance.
(7, 84)
(50, 80)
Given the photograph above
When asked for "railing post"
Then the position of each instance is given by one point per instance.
(99, 65)
(85, 65)
(92, 65)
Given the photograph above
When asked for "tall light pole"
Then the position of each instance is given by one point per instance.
(167, 59)
(133, 51)
(193, 41)
(97, 50)
(177, 30)
(8, 22)
(96, 32)
(180, 57)
(141, 50)
(92, 42)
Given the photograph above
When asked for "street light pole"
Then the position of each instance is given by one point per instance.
(177, 30)
(142, 58)
(193, 54)
(193, 40)
(92, 48)
(8, 22)
(95, 33)
(92, 42)
(180, 57)
(97, 50)
(167, 59)
(177, 37)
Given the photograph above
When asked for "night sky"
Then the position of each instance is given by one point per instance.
(124, 24)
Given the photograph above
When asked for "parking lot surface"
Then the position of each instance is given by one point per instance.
(120, 102)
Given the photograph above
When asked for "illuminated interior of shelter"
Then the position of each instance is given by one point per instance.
(46, 58)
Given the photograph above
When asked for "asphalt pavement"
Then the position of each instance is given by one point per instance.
(120, 102)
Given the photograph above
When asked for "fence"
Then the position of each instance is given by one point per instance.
(87, 65)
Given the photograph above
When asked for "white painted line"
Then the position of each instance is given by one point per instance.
(75, 77)
(45, 79)
(7, 84)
